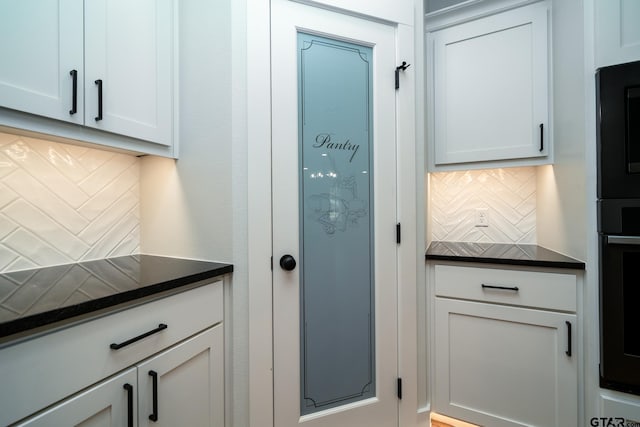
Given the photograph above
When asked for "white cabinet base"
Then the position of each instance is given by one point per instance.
(103, 405)
(190, 383)
(504, 366)
(505, 344)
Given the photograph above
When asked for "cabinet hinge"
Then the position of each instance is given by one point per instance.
(399, 389)
(399, 68)
(398, 233)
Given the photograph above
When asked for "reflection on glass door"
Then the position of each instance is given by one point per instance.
(337, 348)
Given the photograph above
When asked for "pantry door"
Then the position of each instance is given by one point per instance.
(334, 218)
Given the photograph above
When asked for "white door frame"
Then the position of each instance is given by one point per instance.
(410, 167)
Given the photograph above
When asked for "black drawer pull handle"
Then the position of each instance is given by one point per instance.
(541, 137)
(129, 389)
(501, 288)
(154, 377)
(99, 116)
(160, 327)
(74, 96)
(568, 352)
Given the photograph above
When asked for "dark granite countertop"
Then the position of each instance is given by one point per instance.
(498, 253)
(40, 297)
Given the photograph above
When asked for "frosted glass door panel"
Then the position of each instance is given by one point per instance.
(337, 348)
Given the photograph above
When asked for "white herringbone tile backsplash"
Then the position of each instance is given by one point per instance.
(509, 195)
(63, 203)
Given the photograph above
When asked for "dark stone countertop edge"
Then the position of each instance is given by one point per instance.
(577, 265)
(55, 316)
(559, 261)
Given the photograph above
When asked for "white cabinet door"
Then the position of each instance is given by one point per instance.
(488, 88)
(505, 366)
(41, 44)
(111, 403)
(129, 56)
(335, 323)
(617, 38)
(184, 386)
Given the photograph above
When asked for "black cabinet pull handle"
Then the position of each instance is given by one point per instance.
(501, 288)
(74, 96)
(99, 116)
(154, 377)
(160, 327)
(129, 389)
(568, 352)
(541, 136)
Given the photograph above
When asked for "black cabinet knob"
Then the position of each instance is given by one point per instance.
(287, 262)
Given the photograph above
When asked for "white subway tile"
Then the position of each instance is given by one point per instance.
(51, 193)
(106, 173)
(38, 195)
(45, 173)
(34, 249)
(38, 223)
(105, 223)
(510, 193)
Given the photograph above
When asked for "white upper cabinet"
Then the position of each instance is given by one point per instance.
(103, 64)
(128, 51)
(488, 89)
(617, 37)
(41, 48)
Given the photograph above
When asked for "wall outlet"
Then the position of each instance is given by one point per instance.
(482, 217)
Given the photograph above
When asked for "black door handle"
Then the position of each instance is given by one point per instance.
(99, 116)
(568, 352)
(541, 137)
(287, 262)
(501, 288)
(74, 96)
(154, 414)
(129, 389)
(115, 346)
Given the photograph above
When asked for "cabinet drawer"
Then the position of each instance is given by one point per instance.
(554, 291)
(74, 358)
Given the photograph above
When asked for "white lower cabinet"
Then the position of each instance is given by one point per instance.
(184, 385)
(501, 358)
(180, 386)
(103, 405)
(170, 351)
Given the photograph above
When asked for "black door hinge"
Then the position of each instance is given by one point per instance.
(399, 389)
(399, 68)
(398, 233)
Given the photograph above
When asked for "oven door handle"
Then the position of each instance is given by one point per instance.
(623, 240)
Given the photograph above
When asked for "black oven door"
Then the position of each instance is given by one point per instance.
(619, 312)
(618, 96)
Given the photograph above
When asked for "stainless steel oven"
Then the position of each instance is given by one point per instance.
(618, 97)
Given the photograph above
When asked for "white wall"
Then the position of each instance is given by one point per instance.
(186, 204)
(196, 207)
(562, 204)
